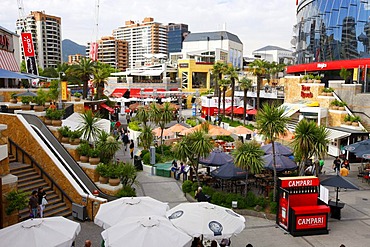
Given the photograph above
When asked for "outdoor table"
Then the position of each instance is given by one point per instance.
(335, 209)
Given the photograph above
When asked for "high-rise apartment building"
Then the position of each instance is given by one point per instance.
(147, 41)
(47, 37)
(75, 59)
(112, 51)
(176, 35)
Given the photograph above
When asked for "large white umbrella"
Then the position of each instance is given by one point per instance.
(154, 231)
(209, 220)
(51, 231)
(111, 213)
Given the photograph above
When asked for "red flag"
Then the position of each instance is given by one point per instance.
(94, 51)
(27, 45)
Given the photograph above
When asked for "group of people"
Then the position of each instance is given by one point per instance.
(178, 170)
(37, 203)
(341, 167)
(127, 142)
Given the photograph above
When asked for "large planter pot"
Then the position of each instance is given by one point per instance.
(13, 101)
(329, 94)
(103, 180)
(65, 139)
(74, 141)
(341, 108)
(38, 108)
(56, 122)
(47, 121)
(77, 99)
(26, 107)
(355, 124)
(335, 107)
(114, 181)
(84, 159)
(348, 123)
(94, 161)
(309, 81)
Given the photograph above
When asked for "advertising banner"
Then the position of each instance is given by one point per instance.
(27, 45)
(311, 222)
(64, 90)
(31, 65)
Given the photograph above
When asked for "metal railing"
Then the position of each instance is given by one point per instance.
(64, 157)
(21, 155)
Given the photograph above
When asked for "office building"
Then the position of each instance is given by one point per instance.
(112, 51)
(147, 41)
(176, 35)
(47, 37)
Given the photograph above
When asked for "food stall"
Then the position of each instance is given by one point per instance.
(299, 211)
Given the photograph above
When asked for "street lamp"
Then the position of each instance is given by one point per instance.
(209, 97)
(180, 103)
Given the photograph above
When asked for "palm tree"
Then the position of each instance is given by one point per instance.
(271, 123)
(259, 69)
(245, 84)
(161, 115)
(232, 75)
(193, 147)
(218, 69)
(310, 140)
(90, 127)
(83, 70)
(142, 115)
(108, 146)
(224, 84)
(248, 156)
(146, 137)
(101, 73)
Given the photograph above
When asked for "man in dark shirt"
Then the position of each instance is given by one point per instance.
(200, 196)
(33, 204)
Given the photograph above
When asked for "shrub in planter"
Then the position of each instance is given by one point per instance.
(348, 120)
(342, 105)
(126, 191)
(251, 199)
(94, 158)
(103, 171)
(74, 137)
(146, 158)
(64, 132)
(355, 120)
(83, 150)
(13, 98)
(16, 200)
(335, 104)
(77, 96)
(187, 186)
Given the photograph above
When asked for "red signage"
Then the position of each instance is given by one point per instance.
(94, 51)
(329, 65)
(4, 41)
(311, 222)
(306, 92)
(27, 44)
(300, 182)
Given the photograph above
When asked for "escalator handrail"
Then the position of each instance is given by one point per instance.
(67, 160)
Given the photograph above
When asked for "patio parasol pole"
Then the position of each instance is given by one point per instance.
(336, 201)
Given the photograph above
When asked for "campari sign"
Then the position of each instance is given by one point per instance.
(311, 222)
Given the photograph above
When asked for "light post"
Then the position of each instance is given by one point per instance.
(180, 103)
(209, 97)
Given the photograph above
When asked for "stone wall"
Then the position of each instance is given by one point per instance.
(20, 135)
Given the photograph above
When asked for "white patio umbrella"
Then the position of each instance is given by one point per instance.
(209, 220)
(154, 231)
(52, 231)
(111, 213)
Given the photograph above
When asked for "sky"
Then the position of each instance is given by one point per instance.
(257, 23)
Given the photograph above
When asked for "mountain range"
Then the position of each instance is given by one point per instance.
(70, 47)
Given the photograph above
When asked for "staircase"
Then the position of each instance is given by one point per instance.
(28, 180)
(292, 123)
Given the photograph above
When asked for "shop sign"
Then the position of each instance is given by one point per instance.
(183, 65)
(306, 92)
(322, 65)
(310, 222)
(27, 44)
(304, 182)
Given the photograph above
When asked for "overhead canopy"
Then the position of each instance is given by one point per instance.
(119, 92)
(111, 110)
(135, 92)
(7, 61)
(12, 75)
(152, 72)
(337, 134)
(229, 171)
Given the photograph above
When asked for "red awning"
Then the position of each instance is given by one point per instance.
(161, 90)
(239, 110)
(228, 109)
(148, 89)
(119, 92)
(252, 112)
(8, 62)
(107, 108)
(135, 92)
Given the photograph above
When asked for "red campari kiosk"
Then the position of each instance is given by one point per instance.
(298, 210)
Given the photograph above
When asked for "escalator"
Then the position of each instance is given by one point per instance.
(64, 157)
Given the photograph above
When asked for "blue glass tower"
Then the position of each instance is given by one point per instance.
(332, 30)
(176, 35)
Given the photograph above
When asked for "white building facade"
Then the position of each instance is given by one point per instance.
(274, 54)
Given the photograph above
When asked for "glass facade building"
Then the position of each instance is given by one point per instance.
(331, 30)
(176, 35)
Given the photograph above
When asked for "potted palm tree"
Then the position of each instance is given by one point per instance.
(103, 171)
(83, 150)
(94, 158)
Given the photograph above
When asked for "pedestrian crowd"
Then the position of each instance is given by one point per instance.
(37, 203)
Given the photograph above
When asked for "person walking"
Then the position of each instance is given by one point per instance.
(125, 140)
(321, 165)
(336, 164)
(132, 146)
(33, 204)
